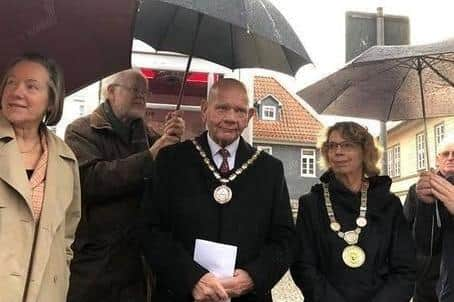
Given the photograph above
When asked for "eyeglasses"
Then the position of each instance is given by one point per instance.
(345, 146)
(446, 154)
(133, 90)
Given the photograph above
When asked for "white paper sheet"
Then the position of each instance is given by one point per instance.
(217, 258)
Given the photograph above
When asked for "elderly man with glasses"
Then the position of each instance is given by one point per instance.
(430, 208)
(116, 153)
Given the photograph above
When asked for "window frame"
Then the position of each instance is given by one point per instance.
(269, 108)
(439, 135)
(312, 157)
(396, 159)
(421, 162)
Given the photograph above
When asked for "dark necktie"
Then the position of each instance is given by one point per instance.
(224, 168)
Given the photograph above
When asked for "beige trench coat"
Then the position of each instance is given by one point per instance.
(59, 218)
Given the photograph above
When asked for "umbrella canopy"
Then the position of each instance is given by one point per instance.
(232, 33)
(390, 83)
(89, 39)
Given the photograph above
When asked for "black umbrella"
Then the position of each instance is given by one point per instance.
(232, 33)
(390, 83)
(89, 39)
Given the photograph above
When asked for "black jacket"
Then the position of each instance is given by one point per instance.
(432, 240)
(389, 271)
(428, 264)
(258, 220)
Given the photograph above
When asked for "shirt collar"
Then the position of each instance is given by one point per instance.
(214, 147)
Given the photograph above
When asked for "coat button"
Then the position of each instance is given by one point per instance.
(55, 278)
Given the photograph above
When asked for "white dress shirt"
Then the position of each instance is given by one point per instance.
(217, 158)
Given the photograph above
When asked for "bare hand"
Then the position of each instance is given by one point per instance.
(174, 124)
(163, 141)
(424, 189)
(443, 190)
(238, 285)
(209, 289)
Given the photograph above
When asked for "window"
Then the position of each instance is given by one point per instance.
(420, 152)
(396, 160)
(308, 162)
(393, 154)
(266, 149)
(269, 113)
(81, 109)
(439, 130)
(80, 103)
(390, 158)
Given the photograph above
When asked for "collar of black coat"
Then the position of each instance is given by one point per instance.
(378, 193)
(243, 153)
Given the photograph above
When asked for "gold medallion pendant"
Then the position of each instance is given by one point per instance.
(353, 256)
(222, 194)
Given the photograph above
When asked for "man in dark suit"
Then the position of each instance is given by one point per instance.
(434, 221)
(218, 188)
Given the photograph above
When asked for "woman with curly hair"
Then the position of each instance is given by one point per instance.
(355, 244)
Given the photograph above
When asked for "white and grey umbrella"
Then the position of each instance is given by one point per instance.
(390, 83)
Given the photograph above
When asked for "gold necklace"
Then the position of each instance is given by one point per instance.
(353, 255)
(223, 194)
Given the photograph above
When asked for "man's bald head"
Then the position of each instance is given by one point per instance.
(227, 84)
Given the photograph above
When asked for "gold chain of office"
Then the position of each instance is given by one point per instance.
(223, 193)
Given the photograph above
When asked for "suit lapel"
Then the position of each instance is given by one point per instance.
(244, 152)
(207, 174)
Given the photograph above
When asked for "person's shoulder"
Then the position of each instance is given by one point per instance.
(313, 196)
(81, 123)
(177, 151)
(383, 198)
(270, 160)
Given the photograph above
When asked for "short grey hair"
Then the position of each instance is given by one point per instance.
(227, 83)
(445, 142)
(117, 78)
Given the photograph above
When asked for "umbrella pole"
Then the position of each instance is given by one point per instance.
(188, 65)
(426, 144)
(423, 103)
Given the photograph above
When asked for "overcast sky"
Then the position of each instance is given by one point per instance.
(320, 24)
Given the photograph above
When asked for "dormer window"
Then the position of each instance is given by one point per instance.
(269, 113)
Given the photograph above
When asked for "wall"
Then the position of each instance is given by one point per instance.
(405, 135)
(291, 159)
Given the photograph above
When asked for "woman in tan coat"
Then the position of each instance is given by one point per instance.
(39, 185)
